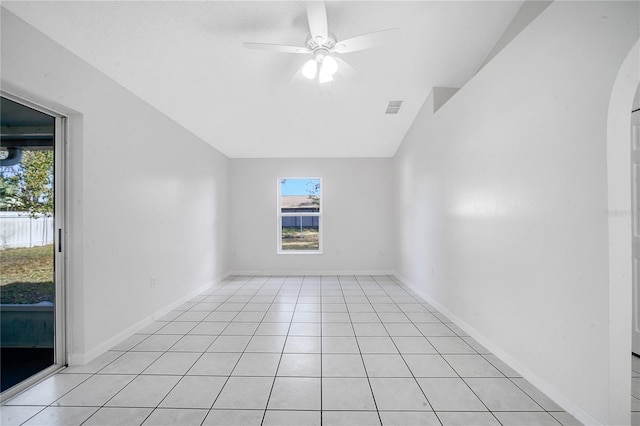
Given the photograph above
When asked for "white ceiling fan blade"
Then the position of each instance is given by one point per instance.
(365, 41)
(317, 16)
(276, 48)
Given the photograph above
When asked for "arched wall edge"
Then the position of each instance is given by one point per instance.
(619, 227)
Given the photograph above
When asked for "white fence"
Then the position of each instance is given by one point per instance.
(19, 230)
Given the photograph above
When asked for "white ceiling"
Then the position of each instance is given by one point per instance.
(187, 60)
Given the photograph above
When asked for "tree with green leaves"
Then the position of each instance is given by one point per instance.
(313, 191)
(28, 186)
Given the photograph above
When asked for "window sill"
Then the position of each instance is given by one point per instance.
(298, 252)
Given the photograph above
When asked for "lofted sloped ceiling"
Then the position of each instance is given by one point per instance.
(187, 60)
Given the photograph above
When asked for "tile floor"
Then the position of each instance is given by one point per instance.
(635, 390)
(292, 351)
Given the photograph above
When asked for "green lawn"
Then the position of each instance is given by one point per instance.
(293, 239)
(26, 275)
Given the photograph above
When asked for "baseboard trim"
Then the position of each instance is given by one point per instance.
(307, 273)
(559, 398)
(83, 358)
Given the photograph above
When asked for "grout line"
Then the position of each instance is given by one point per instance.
(141, 373)
(400, 353)
(375, 403)
(277, 289)
(482, 355)
(205, 351)
(237, 361)
(275, 376)
(450, 366)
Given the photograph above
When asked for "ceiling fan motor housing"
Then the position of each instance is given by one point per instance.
(320, 53)
(313, 44)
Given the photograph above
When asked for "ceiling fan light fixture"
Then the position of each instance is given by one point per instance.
(324, 77)
(329, 65)
(310, 69)
(322, 45)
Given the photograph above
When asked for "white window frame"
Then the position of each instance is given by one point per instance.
(280, 215)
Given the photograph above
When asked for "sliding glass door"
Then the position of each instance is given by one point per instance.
(31, 249)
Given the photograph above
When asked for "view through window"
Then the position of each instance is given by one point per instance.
(27, 256)
(299, 215)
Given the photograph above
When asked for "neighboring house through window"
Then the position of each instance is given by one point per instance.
(300, 215)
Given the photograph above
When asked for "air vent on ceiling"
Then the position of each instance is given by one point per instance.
(393, 107)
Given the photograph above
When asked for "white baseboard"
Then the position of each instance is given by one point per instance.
(559, 398)
(302, 273)
(91, 354)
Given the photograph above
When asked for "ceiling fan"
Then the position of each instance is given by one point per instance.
(323, 46)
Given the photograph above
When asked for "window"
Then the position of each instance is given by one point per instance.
(300, 215)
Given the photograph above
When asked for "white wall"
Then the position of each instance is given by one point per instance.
(146, 197)
(529, 11)
(357, 215)
(502, 197)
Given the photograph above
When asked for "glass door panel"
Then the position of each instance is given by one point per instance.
(27, 234)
